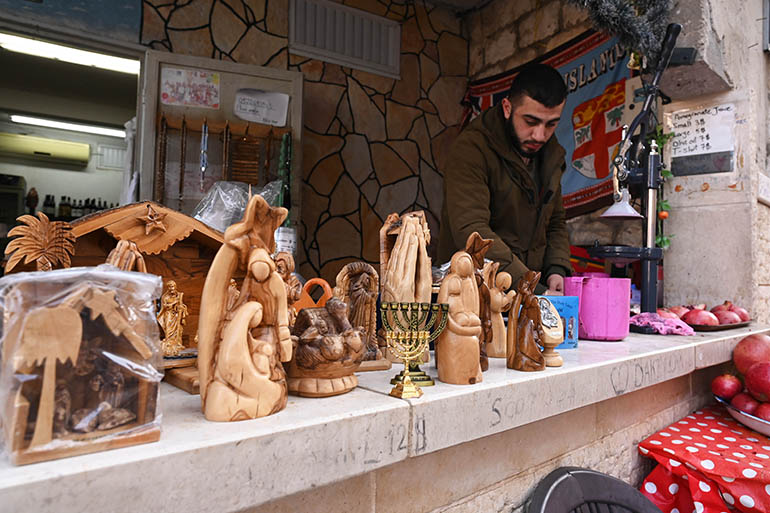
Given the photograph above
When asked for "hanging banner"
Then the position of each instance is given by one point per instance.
(600, 88)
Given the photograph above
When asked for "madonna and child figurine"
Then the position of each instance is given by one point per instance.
(525, 332)
(240, 348)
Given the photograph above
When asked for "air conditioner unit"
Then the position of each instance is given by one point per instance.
(40, 148)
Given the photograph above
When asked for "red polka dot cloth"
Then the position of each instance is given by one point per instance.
(708, 463)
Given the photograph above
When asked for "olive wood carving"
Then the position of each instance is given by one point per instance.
(357, 285)
(499, 301)
(477, 247)
(127, 257)
(48, 243)
(82, 396)
(172, 318)
(404, 260)
(457, 348)
(240, 350)
(284, 263)
(553, 332)
(327, 352)
(525, 331)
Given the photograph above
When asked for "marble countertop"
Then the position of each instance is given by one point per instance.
(203, 466)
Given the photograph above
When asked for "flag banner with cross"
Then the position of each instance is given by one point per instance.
(601, 98)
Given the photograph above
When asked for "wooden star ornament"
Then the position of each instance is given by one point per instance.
(153, 220)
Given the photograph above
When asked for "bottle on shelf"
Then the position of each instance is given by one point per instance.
(49, 206)
(77, 209)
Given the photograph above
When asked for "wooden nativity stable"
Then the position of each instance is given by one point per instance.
(175, 247)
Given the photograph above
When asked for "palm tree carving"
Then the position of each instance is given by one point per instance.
(46, 242)
(52, 335)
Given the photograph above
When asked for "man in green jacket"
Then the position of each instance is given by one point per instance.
(503, 180)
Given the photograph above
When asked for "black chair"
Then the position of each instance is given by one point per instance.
(581, 490)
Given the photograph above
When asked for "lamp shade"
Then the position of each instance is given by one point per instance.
(622, 210)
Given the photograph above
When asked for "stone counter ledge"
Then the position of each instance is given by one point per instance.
(202, 466)
(448, 415)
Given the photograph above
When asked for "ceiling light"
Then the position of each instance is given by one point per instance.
(75, 127)
(67, 54)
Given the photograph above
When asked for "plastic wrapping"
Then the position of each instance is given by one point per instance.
(439, 273)
(225, 203)
(80, 350)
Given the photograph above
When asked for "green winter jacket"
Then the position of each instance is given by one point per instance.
(488, 189)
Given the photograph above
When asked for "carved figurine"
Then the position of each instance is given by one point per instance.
(499, 301)
(127, 257)
(404, 260)
(457, 348)
(172, 318)
(525, 331)
(477, 247)
(553, 332)
(61, 409)
(357, 285)
(284, 263)
(46, 242)
(240, 351)
(328, 351)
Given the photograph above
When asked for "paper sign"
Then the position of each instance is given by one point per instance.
(189, 88)
(260, 106)
(701, 131)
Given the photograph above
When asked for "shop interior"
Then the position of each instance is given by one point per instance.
(62, 133)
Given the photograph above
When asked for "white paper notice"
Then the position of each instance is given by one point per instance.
(260, 106)
(700, 131)
(189, 88)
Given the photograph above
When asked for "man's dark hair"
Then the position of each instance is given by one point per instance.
(540, 82)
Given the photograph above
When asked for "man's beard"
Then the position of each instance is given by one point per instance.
(518, 144)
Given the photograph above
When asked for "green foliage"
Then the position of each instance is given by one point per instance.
(663, 241)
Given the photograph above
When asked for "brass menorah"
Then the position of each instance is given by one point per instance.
(409, 328)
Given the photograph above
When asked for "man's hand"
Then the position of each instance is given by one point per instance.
(555, 285)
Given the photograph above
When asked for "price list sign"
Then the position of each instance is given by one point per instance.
(704, 140)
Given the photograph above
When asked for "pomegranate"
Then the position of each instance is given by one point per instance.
(763, 411)
(727, 317)
(667, 314)
(724, 306)
(750, 350)
(726, 386)
(679, 310)
(743, 314)
(700, 317)
(745, 403)
(758, 381)
(699, 306)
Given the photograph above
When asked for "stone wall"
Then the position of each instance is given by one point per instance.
(504, 34)
(720, 249)
(372, 145)
(499, 472)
